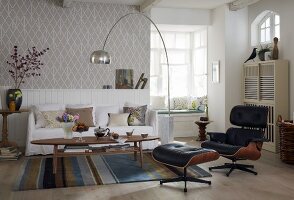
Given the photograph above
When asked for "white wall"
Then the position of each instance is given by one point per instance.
(286, 44)
(216, 51)
(228, 43)
(236, 54)
(181, 16)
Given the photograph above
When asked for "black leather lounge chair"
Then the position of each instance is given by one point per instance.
(243, 142)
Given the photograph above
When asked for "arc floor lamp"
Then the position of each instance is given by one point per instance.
(103, 57)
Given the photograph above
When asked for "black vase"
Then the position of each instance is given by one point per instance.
(14, 95)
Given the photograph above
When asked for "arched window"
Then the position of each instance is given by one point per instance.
(269, 27)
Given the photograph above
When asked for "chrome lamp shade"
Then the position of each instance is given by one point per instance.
(100, 57)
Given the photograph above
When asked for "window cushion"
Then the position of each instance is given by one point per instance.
(137, 115)
(180, 103)
(86, 115)
(118, 119)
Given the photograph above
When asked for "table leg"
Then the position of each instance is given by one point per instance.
(202, 131)
(5, 142)
(141, 153)
(135, 150)
(55, 159)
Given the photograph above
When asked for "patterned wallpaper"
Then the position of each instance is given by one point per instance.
(72, 34)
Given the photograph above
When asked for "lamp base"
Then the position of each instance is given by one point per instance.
(166, 128)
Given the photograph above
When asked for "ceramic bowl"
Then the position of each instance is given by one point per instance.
(144, 135)
(129, 134)
(115, 135)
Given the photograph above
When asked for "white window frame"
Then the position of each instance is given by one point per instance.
(190, 65)
(272, 26)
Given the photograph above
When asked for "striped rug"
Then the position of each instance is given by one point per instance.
(36, 173)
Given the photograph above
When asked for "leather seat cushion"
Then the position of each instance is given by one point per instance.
(182, 155)
(221, 148)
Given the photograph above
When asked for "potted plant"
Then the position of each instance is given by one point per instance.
(262, 49)
(23, 67)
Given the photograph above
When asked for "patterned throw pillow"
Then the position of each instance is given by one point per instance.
(51, 118)
(137, 115)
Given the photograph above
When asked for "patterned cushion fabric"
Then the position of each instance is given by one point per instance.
(86, 115)
(51, 118)
(180, 103)
(137, 115)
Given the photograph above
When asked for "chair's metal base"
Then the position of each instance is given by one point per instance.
(232, 166)
(185, 179)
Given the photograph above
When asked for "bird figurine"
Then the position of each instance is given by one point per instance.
(252, 56)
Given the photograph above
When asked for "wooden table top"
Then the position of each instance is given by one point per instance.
(91, 140)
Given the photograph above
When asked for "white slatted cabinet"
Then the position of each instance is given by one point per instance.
(266, 83)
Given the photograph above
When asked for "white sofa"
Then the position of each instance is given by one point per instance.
(35, 133)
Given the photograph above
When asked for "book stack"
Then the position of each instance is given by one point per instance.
(9, 153)
(69, 148)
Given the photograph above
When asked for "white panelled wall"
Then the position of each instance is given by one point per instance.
(17, 123)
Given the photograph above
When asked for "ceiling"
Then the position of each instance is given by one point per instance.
(203, 4)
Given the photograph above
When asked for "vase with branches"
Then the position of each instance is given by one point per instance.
(22, 67)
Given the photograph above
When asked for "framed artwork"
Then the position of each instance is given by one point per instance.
(215, 71)
(124, 79)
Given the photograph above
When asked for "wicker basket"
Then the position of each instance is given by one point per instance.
(286, 141)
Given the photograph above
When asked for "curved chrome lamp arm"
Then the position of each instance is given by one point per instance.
(102, 57)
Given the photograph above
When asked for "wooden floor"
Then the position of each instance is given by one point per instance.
(274, 181)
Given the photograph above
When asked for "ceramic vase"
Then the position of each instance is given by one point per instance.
(67, 128)
(14, 95)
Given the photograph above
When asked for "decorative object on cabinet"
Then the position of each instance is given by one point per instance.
(275, 55)
(124, 79)
(252, 56)
(266, 84)
(261, 51)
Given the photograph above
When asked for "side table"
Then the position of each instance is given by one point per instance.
(202, 129)
(5, 113)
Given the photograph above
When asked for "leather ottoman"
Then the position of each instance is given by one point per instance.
(183, 156)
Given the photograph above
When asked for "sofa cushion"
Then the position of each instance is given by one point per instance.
(116, 119)
(40, 121)
(86, 115)
(137, 115)
(101, 114)
(51, 118)
(84, 106)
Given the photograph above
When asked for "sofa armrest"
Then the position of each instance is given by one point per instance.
(152, 120)
(217, 137)
(31, 129)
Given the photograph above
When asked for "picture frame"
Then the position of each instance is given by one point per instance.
(124, 79)
(215, 72)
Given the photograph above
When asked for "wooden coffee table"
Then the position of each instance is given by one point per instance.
(136, 139)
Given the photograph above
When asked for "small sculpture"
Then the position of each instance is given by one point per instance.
(252, 56)
(275, 55)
